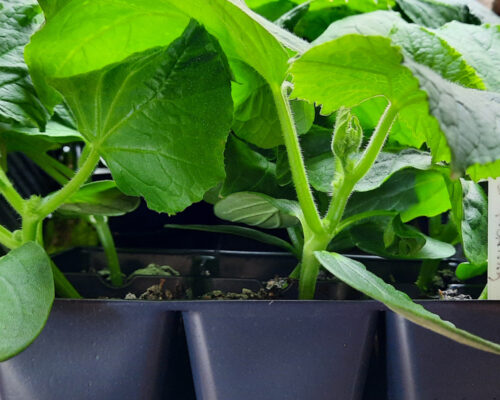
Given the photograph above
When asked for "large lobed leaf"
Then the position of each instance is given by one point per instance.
(83, 36)
(355, 274)
(434, 13)
(153, 116)
(353, 69)
(26, 296)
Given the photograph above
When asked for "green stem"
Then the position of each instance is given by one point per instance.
(295, 160)
(10, 194)
(427, 273)
(64, 288)
(346, 185)
(58, 171)
(30, 228)
(376, 142)
(309, 267)
(100, 224)
(7, 238)
(53, 201)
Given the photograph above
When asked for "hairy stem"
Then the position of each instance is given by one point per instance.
(7, 238)
(11, 195)
(295, 160)
(346, 185)
(53, 201)
(309, 267)
(100, 224)
(56, 170)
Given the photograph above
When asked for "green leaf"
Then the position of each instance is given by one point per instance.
(271, 10)
(387, 164)
(421, 44)
(366, 68)
(290, 19)
(99, 198)
(388, 237)
(153, 116)
(469, 119)
(242, 231)
(323, 12)
(248, 171)
(322, 168)
(75, 40)
(470, 212)
(479, 45)
(432, 194)
(25, 139)
(18, 100)
(259, 210)
(355, 274)
(26, 296)
(411, 192)
(255, 116)
(434, 13)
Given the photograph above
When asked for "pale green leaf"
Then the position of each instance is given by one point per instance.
(26, 296)
(355, 274)
(366, 68)
(259, 210)
(83, 36)
(422, 45)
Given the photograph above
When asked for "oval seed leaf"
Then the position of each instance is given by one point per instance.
(355, 274)
(99, 198)
(259, 210)
(153, 116)
(26, 296)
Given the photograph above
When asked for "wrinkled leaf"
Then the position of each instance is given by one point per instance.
(479, 45)
(470, 120)
(355, 274)
(99, 198)
(26, 296)
(153, 116)
(259, 210)
(18, 100)
(422, 45)
(434, 13)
